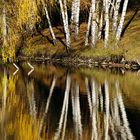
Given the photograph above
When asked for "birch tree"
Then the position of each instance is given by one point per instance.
(63, 8)
(106, 8)
(49, 21)
(75, 17)
(31, 19)
(88, 28)
(112, 8)
(93, 23)
(116, 13)
(4, 32)
(120, 26)
(100, 25)
(4, 26)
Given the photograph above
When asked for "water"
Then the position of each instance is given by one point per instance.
(54, 103)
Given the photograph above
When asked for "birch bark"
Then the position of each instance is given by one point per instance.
(31, 20)
(93, 24)
(50, 25)
(88, 28)
(115, 16)
(63, 8)
(4, 26)
(120, 26)
(106, 4)
(112, 8)
(75, 17)
(100, 26)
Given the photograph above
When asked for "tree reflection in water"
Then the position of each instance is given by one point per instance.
(23, 118)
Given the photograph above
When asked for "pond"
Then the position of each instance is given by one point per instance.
(53, 102)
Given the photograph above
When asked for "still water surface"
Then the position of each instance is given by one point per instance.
(54, 103)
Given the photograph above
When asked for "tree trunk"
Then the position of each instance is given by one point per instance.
(120, 27)
(88, 28)
(106, 4)
(63, 7)
(100, 26)
(112, 5)
(4, 26)
(75, 17)
(115, 16)
(50, 25)
(93, 24)
(32, 18)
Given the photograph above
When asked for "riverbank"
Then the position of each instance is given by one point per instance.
(40, 48)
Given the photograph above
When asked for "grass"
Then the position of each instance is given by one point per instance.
(131, 40)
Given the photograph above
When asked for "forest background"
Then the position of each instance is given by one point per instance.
(60, 27)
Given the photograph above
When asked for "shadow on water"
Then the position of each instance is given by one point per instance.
(56, 103)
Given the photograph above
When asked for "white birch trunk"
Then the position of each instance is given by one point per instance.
(106, 3)
(88, 28)
(112, 8)
(75, 17)
(97, 17)
(63, 7)
(72, 11)
(31, 19)
(4, 26)
(120, 26)
(93, 24)
(100, 26)
(115, 16)
(50, 25)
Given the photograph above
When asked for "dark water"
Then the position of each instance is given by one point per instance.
(54, 103)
